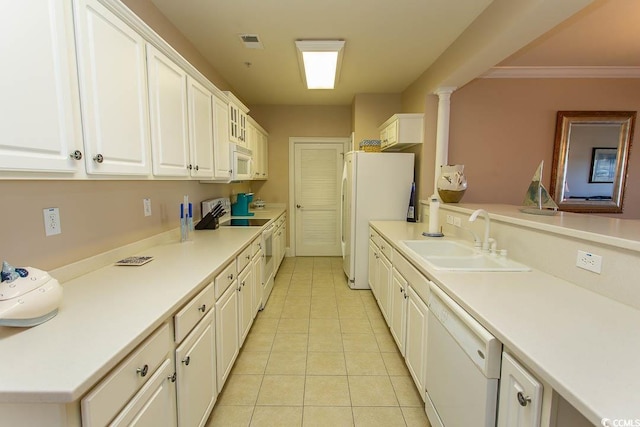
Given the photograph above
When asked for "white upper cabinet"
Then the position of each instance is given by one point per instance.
(200, 130)
(40, 124)
(221, 154)
(168, 114)
(401, 131)
(113, 90)
(237, 121)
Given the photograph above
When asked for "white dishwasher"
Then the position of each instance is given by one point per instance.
(463, 366)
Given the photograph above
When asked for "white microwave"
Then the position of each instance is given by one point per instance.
(241, 163)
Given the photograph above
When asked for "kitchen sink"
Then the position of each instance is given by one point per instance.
(427, 248)
(453, 256)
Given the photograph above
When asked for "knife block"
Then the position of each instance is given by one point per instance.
(209, 222)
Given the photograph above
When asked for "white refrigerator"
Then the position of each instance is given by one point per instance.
(375, 186)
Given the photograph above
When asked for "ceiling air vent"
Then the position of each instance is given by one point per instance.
(251, 41)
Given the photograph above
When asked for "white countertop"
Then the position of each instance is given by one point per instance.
(106, 313)
(585, 346)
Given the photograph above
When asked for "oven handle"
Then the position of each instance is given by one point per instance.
(268, 231)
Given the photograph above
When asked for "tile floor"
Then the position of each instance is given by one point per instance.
(319, 354)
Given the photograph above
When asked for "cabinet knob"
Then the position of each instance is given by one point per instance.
(172, 378)
(143, 371)
(202, 308)
(230, 277)
(299, 206)
(197, 167)
(522, 399)
(190, 167)
(76, 155)
(248, 257)
(186, 360)
(98, 158)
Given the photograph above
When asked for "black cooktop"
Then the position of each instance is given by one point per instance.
(248, 222)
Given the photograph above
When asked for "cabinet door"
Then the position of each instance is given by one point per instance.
(40, 124)
(245, 302)
(398, 304)
(221, 154)
(155, 404)
(242, 128)
(226, 333)
(256, 292)
(384, 286)
(373, 269)
(168, 114)
(416, 339)
(264, 155)
(234, 123)
(196, 374)
(200, 130)
(520, 396)
(113, 92)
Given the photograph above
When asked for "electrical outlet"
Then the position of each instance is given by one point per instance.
(51, 221)
(147, 207)
(449, 219)
(457, 221)
(589, 261)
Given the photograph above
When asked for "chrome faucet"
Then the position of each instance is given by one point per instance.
(488, 243)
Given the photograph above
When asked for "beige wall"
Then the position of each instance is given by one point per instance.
(502, 128)
(95, 216)
(283, 122)
(370, 110)
(152, 16)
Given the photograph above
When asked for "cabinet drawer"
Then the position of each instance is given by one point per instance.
(224, 279)
(191, 313)
(243, 259)
(111, 394)
(256, 246)
(386, 249)
(374, 237)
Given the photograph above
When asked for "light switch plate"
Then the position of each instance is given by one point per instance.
(147, 207)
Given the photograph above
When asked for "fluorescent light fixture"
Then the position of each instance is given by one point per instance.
(319, 62)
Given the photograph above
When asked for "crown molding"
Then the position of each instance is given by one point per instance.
(562, 73)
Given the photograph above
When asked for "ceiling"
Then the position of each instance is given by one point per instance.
(389, 44)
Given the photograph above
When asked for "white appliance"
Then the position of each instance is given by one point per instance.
(268, 268)
(241, 163)
(30, 299)
(463, 366)
(375, 186)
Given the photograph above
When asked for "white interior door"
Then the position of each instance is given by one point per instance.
(317, 181)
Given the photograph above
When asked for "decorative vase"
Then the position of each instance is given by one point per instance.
(452, 183)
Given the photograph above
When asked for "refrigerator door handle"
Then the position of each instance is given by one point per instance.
(343, 195)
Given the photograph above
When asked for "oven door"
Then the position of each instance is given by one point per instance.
(269, 263)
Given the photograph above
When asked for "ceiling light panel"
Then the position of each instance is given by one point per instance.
(319, 62)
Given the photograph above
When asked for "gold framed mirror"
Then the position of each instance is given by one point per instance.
(590, 158)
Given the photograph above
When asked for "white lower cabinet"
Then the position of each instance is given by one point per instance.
(227, 333)
(245, 303)
(373, 268)
(256, 292)
(384, 285)
(520, 402)
(196, 374)
(415, 350)
(398, 309)
(155, 404)
(113, 398)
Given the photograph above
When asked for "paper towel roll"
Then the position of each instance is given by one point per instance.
(434, 206)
